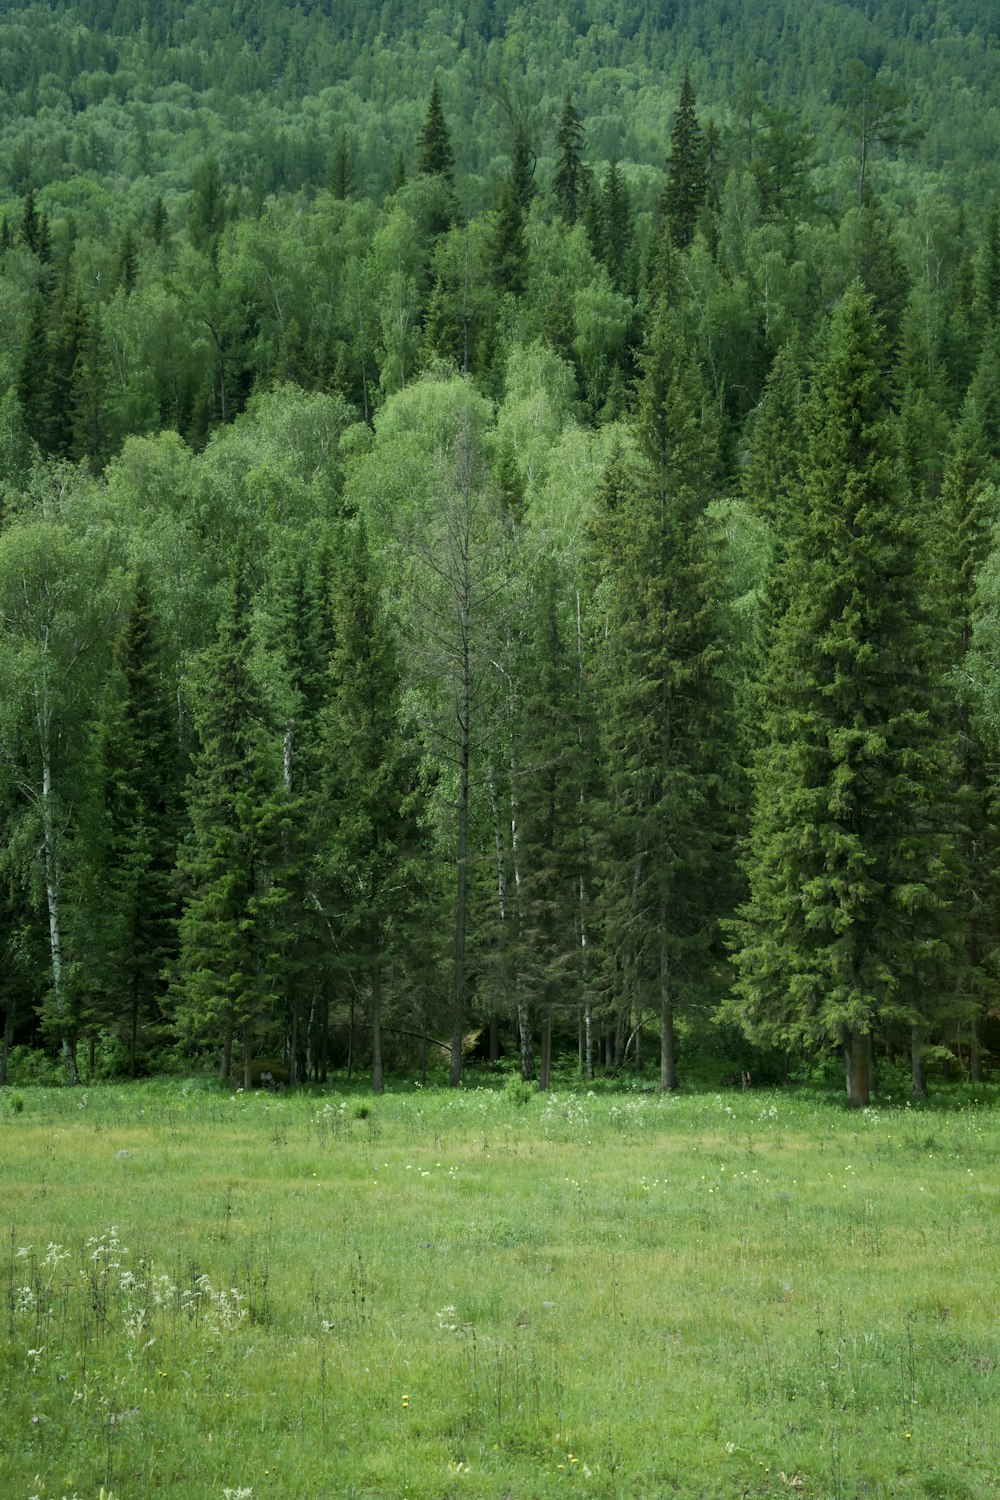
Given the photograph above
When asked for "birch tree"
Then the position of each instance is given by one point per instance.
(57, 606)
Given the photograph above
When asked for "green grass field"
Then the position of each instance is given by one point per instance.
(455, 1294)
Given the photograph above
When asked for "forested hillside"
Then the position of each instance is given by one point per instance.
(498, 536)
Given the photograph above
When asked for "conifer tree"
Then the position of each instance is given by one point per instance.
(522, 168)
(436, 156)
(964, 536)
(668, 860)
(35, 378)
(851, 863)
(687, 179)
(507, 249)
(371, 785)
(230, 934)
(127, 269)
(342, 181)
(30, 228)
(544, 952)
(158, 222)
(619, 231)
(568, 180)
(987, 281)
(138, 755)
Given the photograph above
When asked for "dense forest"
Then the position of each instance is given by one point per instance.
(497, 537)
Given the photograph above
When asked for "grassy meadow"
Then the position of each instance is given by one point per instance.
(445, 1294)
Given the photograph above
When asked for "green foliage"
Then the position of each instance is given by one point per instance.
(851, 860)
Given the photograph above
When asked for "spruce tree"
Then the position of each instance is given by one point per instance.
(342, 179)
(687, 178)
(522, 168)
(507, 248)
(436, 157)
(35, 379)
(229, 975)
(667, 858)
(138, 756)
(963, 538)
(376, 842)
(850, 859)
(545, 950)
(619, 231)
(568, 180)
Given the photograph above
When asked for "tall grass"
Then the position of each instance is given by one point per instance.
(443, 1293)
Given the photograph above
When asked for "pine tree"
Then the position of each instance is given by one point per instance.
(30, 229)
(963, 536)
(687, 181)
(35, 380)
(568, 180)
(522, 168)
(376, 842)
(436, 156)
(398, 172)
(305, 637)
(342, 179)
(127, 270)
(545, 952)
(667, 860)
(88, 396)
(230, 933)
(138, 756)
(159, 226)
(619, 231)
(850, 863)
(987, 283)
(507, 249)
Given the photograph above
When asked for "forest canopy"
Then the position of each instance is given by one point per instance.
(497, 535)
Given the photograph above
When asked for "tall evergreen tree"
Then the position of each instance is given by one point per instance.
(963, 539)
(522, 167)
(619, 231)
(687, 177)
(545, 949)
(435, 154)
(342, 178)
(668, 858)
(35, 379)
(231, 937)
(138, 753)
(851, 861)
(568, 180)
(371, 798)
(507, 249)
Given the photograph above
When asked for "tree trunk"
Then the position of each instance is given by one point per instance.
(859, 1080)
(919, 1077)
(524, 1037)
(53, 895)
(975, 1052)
(494, 1039)
(668, 1051)
(639, 1060)
(378, 1081)
(8, 1041)
(133, 1029)
(247, 1056)
(293, 1036)
(462, 870)
(545, 1071)
(588, 1031)
(226, 1064)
